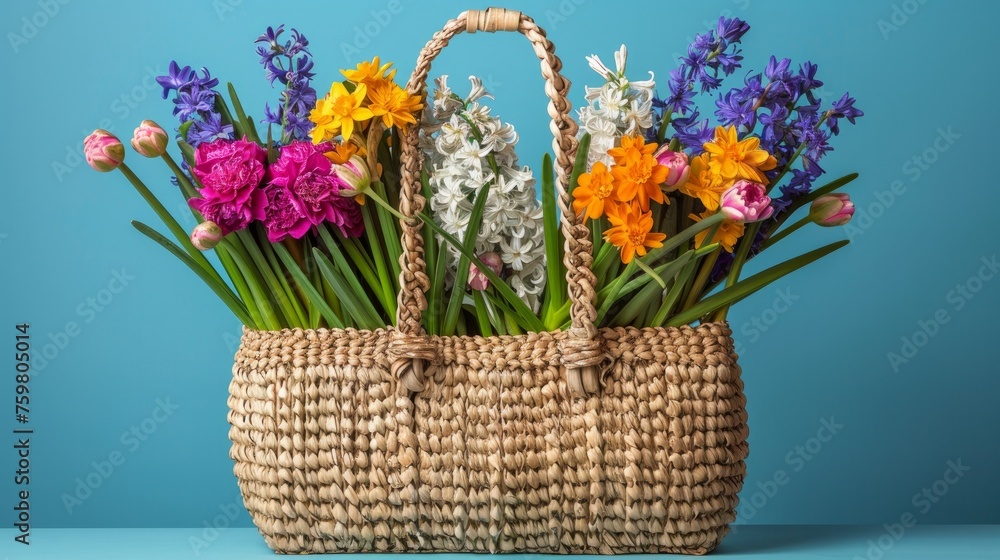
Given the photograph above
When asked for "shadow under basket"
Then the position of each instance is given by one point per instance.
(496, 454)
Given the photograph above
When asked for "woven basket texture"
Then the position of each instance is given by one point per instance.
(495, 455)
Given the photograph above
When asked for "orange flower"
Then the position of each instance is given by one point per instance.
(637, 172)
(726, 235)
(593, 190)
(738, 159)
(703, 184)
(631, 230)
(341, 152)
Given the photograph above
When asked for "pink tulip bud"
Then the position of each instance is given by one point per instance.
(477, 280)
(149, 140)
(832, 210)
(677, 162)
(206, 235)
(746, 202)
(355, 175)
(103, 150)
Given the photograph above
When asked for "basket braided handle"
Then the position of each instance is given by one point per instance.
(581, 350)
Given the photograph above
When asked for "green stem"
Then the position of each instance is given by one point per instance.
(704, 272)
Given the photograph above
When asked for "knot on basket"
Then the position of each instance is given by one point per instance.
(492, 19)
(585, 361)
(412, 359)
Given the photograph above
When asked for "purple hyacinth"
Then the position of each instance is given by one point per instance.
(710, 57)
(194, 100)
(289, 63)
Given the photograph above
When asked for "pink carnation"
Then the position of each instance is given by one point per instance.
(311, 194)
(283, 219)
(230, 172)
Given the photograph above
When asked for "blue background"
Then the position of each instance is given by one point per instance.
(64, 234)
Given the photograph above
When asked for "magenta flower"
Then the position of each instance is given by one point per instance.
(283, 219)
(832, 210)
(477, 280)
(313, 193)
(746, 201)
(677, 162)
(230, 172)
(103, 150)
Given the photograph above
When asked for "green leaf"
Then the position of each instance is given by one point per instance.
(361, 262)
(248, 127)
(674, 294)
(315, 299)
(434, 308)
(272, 148)
(227, 116)
(239, 283)
(187, 152)
(347, 273)
(393, 249)
(259, 295)
(482, 314)
(462, 272)
(220, 289)
(378, 256)
(580, 163)
(555, 279)
(283, 307)
(364, 315)
(616, 287)
(298, 316)
(746, 287)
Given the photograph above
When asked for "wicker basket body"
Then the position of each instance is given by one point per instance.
(581, 441)
(333, 455)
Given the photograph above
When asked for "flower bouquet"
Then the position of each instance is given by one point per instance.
(560, 349)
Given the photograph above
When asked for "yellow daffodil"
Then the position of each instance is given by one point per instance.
(703, 184)
(732, 158)
(726, 235)
(338, 112)
(368, 73)
(631, 231)
(393, 104)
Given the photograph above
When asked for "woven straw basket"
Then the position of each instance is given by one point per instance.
(583, 441)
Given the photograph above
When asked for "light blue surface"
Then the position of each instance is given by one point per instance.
(954, 542)
(822, 358)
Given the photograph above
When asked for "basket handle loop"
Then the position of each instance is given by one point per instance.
(581, 349)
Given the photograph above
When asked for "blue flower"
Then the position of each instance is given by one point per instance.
(735, 108)
(693, 133)
(195, 101)
(290, 63)
(843, 108)
(208, 130)
(731, 30)
(175, 79)
(192, 101)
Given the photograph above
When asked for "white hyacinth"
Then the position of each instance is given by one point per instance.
(458, 168)
(617, 108)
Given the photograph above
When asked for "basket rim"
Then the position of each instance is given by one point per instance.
(498, 339)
